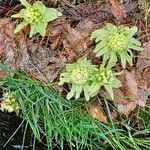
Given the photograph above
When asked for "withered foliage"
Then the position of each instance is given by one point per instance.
(95, 111)
(98, 12)
(22, 53)
(133, 93)
(143, 64)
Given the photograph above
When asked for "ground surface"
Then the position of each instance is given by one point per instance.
(66, 40)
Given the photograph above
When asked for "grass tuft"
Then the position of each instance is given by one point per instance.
(59, 122)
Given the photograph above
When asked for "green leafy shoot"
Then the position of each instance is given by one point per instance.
(37, 15)
(78, 76)
(113, 42)
(82, 76)
(104, 77)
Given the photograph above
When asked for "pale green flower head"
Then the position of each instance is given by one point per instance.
(115, 42)
(37, 15)
(9, 102)
(78, 76)
(104, 77)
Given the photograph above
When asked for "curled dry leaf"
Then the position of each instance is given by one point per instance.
(140, 79)
(144, 58)
(52, 70)
(7, 40)
(127, 108)
(96, 13)
(95, 111)
(99, 12)
(131, 87)
(143, 64)
(11, 47)
(114, 114)
(7, 43)
(73, 40)
(54, 33)
(132, 94)
(85, 26)
(146, 76)
(21, 53)
(117, 10)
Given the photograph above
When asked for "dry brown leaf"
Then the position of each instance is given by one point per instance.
(144, 58)
(22, 59)
(131, 86)
(98, 12)
(40, 56)
(94, 12)
(120, 97)
(140, 79)
(126, 109)
(54, 34)
(85, 26)
(6, 35)
(117, 10)
(44, 63)
(146, 76)
(124, 99)
(73, 40)
(7, 40)
(56, 43)
(22, 53)
(143, 64)
(51, 71)
(13, 47)
(114, 114)
(131, 94)
(95, 111)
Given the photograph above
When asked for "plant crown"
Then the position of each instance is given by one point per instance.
(37, 15)
(113, 42)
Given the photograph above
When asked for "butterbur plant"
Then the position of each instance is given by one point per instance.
(104, 77)
(37, 15)
(9, 102)
(113, 42)
(84, 77)
(78, 76)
